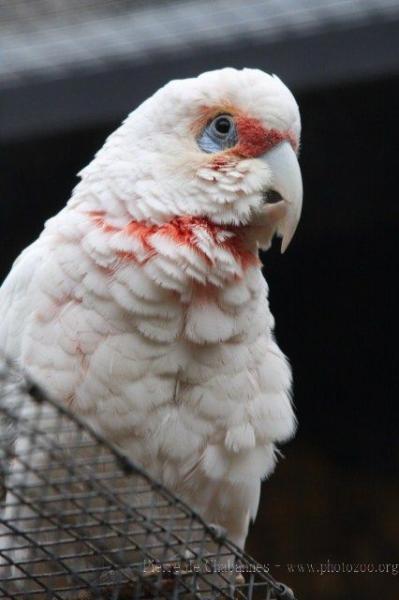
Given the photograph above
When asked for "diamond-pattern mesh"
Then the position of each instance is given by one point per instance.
(50, 38)
(78, 520)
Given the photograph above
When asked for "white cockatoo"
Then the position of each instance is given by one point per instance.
(142, 305)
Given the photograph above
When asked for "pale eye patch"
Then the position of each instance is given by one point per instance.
(220, 134)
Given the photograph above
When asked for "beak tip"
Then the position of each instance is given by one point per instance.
(287, 238)
(284, 246)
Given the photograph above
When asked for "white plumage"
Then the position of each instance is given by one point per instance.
(142, 304)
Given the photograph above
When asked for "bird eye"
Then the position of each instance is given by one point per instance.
(218, 135)
(223, 125)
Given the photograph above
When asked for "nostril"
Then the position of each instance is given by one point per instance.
(272, 197)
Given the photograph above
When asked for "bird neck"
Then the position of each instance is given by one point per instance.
(203, 252)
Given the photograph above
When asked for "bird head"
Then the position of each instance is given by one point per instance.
(220, 147)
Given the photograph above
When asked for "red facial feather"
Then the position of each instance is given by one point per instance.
(219, 163)
(254, 139)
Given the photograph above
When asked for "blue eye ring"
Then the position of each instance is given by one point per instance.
(219, 134)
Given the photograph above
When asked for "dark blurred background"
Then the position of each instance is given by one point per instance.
(71, 70)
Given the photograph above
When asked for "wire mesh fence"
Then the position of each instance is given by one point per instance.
(78, 520)
(49, 38)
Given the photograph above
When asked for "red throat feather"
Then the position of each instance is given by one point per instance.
(182, 230)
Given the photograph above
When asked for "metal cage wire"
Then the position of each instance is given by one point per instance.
(49, 38)
(79, 520)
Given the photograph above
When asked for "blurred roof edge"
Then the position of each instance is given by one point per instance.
(40, 105)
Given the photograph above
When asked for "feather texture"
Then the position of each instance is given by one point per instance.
(142, 304)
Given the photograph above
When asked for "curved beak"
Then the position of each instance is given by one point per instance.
(287, 181)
